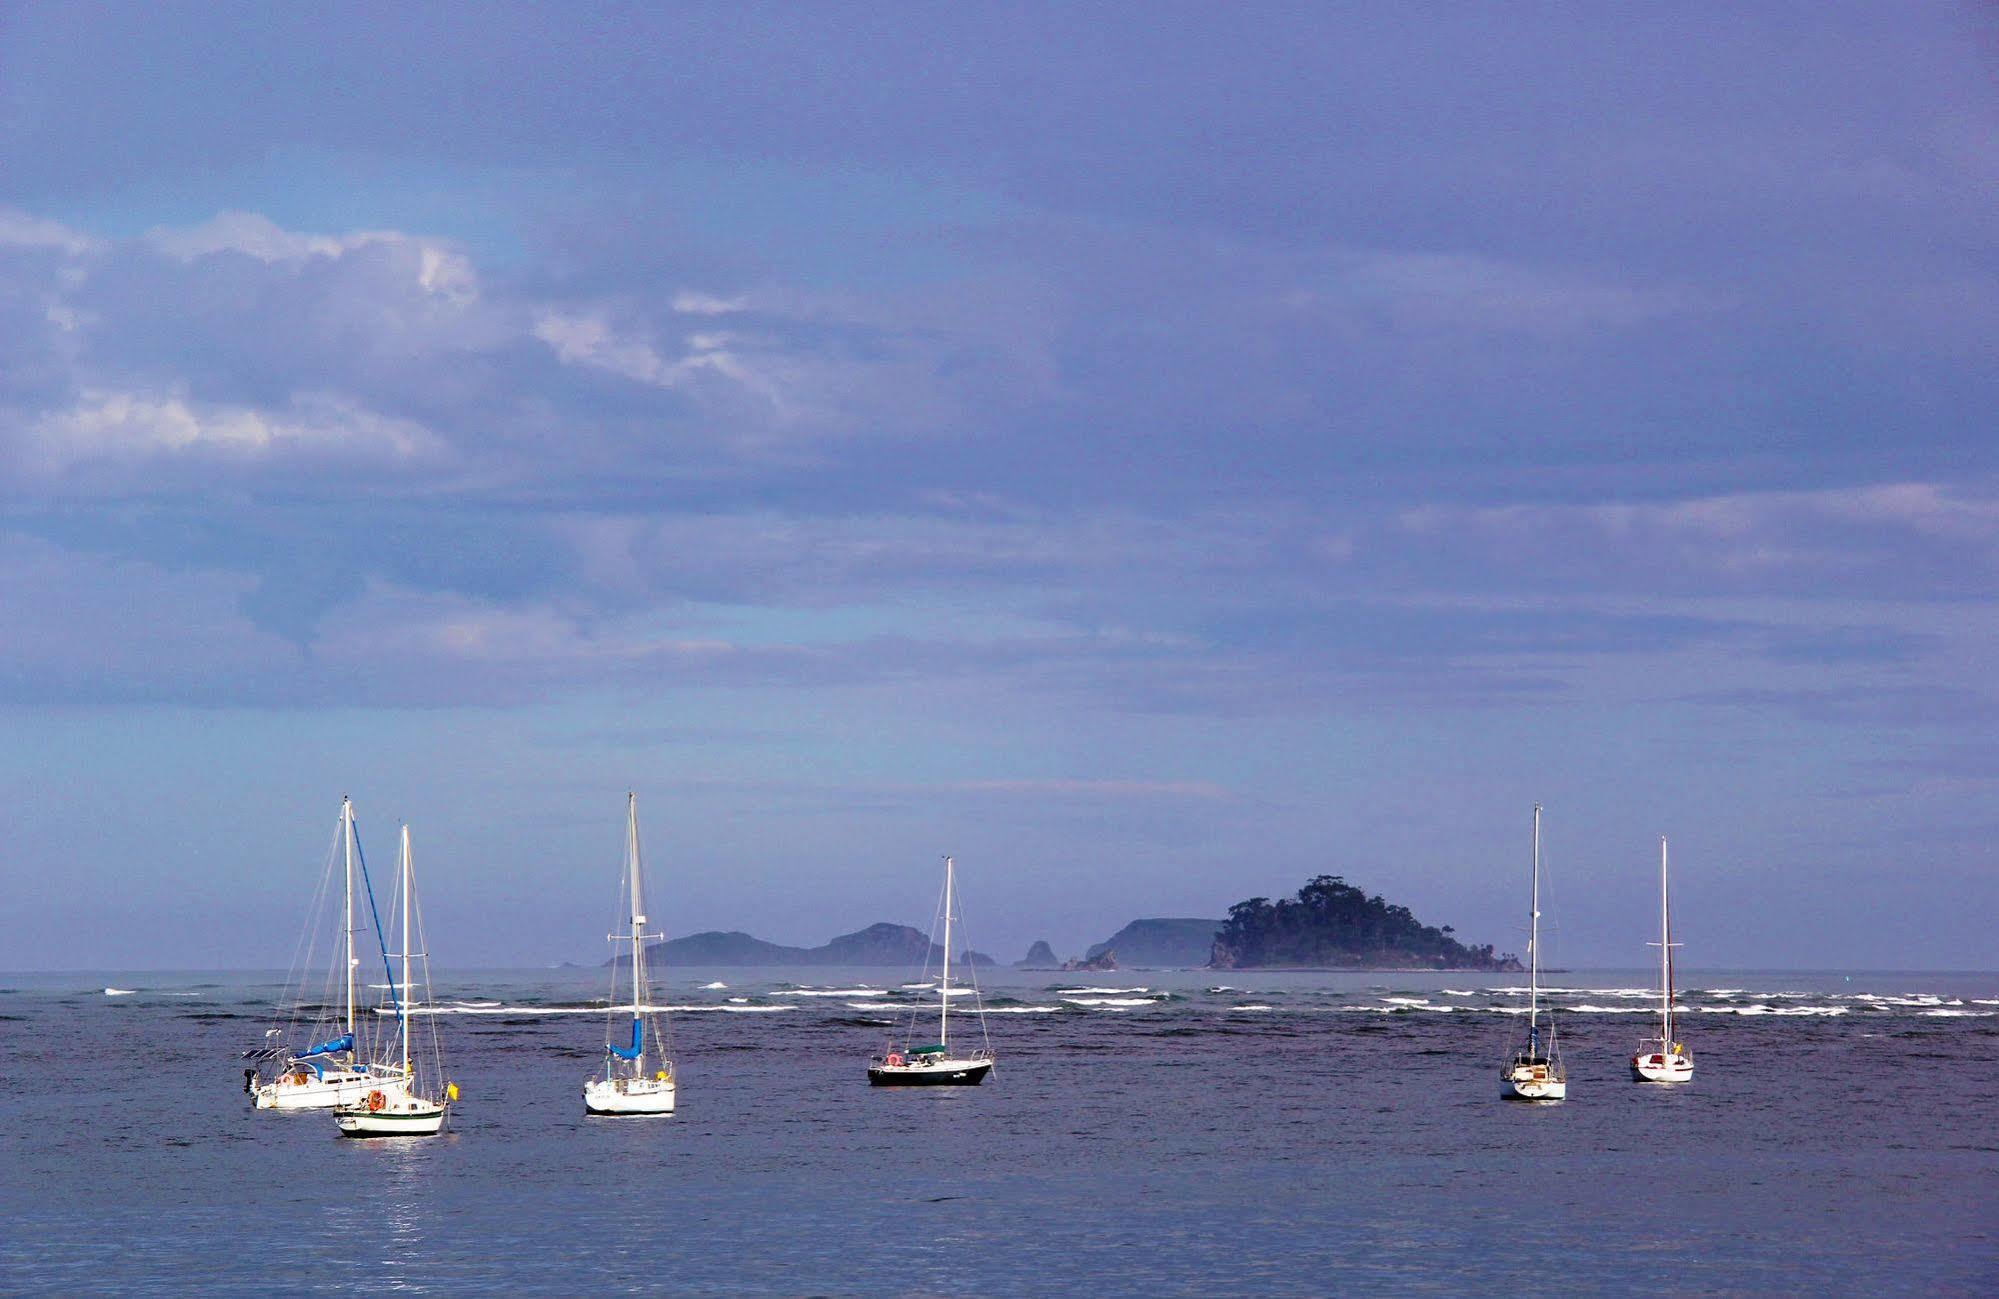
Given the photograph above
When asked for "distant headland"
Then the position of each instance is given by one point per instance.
(878, 944)
(1330, 924)
(1163, 943)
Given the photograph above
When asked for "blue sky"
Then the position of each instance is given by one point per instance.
(1154, 452)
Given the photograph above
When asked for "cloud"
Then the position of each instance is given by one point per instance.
(136, 427)
(590, 341)
(20, 230)
(388, 646)
(439, 270)
(1865, 704)
(799, 371)
(1470, 292)
(1876, 539)
(690, 303)
(1124, 471)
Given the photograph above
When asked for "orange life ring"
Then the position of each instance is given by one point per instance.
(375, 1101)
(892, 1058)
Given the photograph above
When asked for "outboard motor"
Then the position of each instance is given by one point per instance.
(249, 1081)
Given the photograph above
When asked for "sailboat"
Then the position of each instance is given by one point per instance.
(625, 1087)
(933, 1065)
(326, 1070)
(1535, 1073)
(403, 1099)
(1662, 1059)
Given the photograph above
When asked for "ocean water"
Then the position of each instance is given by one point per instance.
(1144, 1134)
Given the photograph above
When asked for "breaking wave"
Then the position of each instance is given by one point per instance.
(1113, 1001)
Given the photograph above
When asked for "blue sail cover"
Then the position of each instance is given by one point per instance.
(638, 1042)
(345, 1042)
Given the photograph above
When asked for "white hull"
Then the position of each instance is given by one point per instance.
(427, 1123)
(629, 1096)
(303, 1091)
(1536, 1073)
(1663, 1059)
(390, 1111)
(1651, 1066)
(1532, 1084)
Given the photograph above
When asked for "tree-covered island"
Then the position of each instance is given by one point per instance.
(1332, 924)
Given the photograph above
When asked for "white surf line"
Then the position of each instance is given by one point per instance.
(569, 1010)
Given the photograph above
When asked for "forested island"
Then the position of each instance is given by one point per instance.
(1332, 924)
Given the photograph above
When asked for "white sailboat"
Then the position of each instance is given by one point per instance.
(1663, 1059)
(933, 1065)
(406, 1097)
(325, 1070)
(625, 1087)
(1536, 1072)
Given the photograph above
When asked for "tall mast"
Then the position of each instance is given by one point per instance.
(1665, 959)
(944, 994)
(1534, 938)
(347, 982)
(403, 1009)
(638, 911)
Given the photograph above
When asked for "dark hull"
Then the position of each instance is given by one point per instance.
(970, 1077)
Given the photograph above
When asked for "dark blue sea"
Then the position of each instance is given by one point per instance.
(1144, 1134)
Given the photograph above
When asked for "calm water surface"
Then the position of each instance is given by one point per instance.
(1151, 1133)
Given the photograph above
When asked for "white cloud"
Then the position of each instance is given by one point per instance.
(1921, 509)
(445, 274)
(691, 303)
(19, 230)
(127, 426)
(438, 270)
(589, 340)
(1873, 538)
(1929, 508)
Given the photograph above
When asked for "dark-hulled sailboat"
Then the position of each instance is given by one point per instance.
(933, 1064)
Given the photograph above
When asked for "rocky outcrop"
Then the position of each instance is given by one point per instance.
(1039, 957)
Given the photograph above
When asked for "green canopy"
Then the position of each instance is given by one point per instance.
(937, 1049)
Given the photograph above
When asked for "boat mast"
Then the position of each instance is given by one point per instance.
(347, 845)
(1665, 960)
(638, 917)
(944, 993)
(403, 1006)
(1534, 944)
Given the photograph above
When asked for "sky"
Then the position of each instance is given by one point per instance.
(1156, 453)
